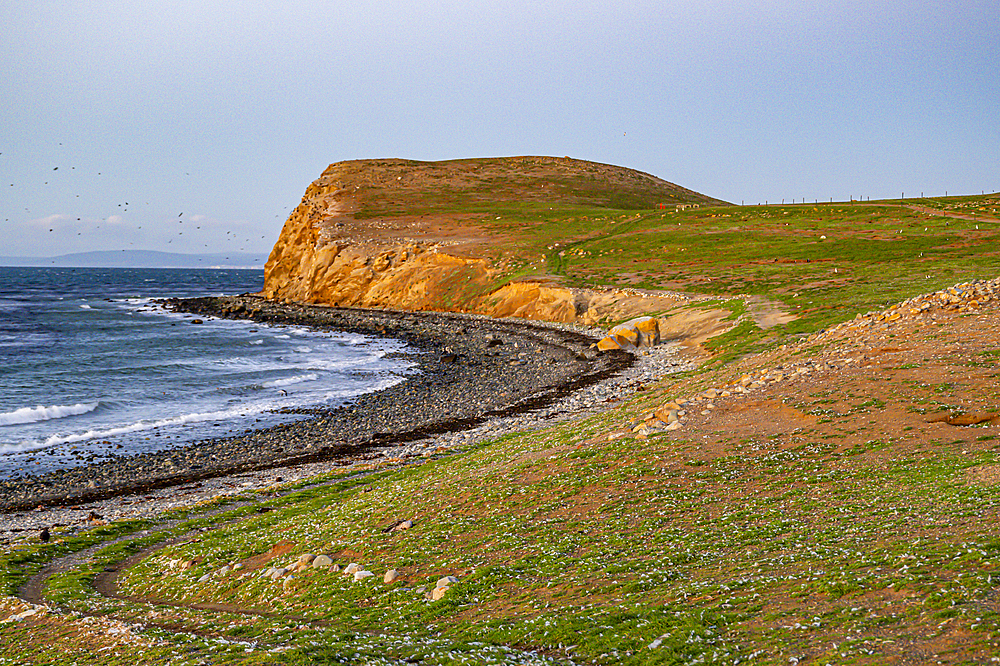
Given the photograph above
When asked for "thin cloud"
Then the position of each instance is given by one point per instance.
(56, 221)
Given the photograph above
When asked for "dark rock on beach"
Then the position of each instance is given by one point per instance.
(470, 369)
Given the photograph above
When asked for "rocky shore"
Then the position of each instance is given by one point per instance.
(471, 370)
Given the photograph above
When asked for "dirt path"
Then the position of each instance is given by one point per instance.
(106, 583)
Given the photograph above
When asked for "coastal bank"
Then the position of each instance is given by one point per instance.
(467, 369)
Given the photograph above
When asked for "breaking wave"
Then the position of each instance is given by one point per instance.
(41, 413)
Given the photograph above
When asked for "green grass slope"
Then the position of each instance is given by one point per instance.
(834, 542)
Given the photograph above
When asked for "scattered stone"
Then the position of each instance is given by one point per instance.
(304, 562)
(399, 525)
(321, 561)
(24, 614)
(633, 334)
(658, 642)
(391, 576)
(361, 574)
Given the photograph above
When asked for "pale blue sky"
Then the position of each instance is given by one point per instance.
(226, 111)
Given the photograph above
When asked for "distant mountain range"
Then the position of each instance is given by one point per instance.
(141, 259)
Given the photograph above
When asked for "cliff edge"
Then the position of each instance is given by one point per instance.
(472, 235)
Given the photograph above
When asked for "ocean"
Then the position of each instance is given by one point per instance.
(91, 367)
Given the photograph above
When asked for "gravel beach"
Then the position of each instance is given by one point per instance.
(648, 366)
(471, 370)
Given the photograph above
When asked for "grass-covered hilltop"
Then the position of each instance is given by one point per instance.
(822, 488)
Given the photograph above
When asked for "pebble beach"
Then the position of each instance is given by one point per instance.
(478, 379)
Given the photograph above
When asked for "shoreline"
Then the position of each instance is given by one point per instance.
(471, 369)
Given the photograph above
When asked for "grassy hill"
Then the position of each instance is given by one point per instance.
(831, 498)
(407, 187)
(447, 235)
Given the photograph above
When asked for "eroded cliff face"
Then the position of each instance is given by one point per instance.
(351, 243)
(306, 268)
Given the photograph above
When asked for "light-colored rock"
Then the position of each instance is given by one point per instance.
(391, 576)
(626, 334)
(610, 342)
(405, 525)
(361, 574)
(438, 593)
(649, 328)
(634, 334)
(321, 561)
(446, 581)
(25, 614)
(667, 413)
(351, 568)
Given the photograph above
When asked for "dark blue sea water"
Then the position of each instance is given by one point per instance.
(89, 365)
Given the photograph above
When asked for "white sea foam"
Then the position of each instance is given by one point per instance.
(381, 385)
(288, 381)
(335, 365)
(42, 413)
(256, 342)
(86, 307)
(302, 350)
(282, 337)
(139, 426)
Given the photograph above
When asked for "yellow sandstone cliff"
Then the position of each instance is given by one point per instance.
(408, 235)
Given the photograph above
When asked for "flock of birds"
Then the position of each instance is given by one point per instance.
(232, 238)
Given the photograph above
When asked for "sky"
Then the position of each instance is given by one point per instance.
(194, 126)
